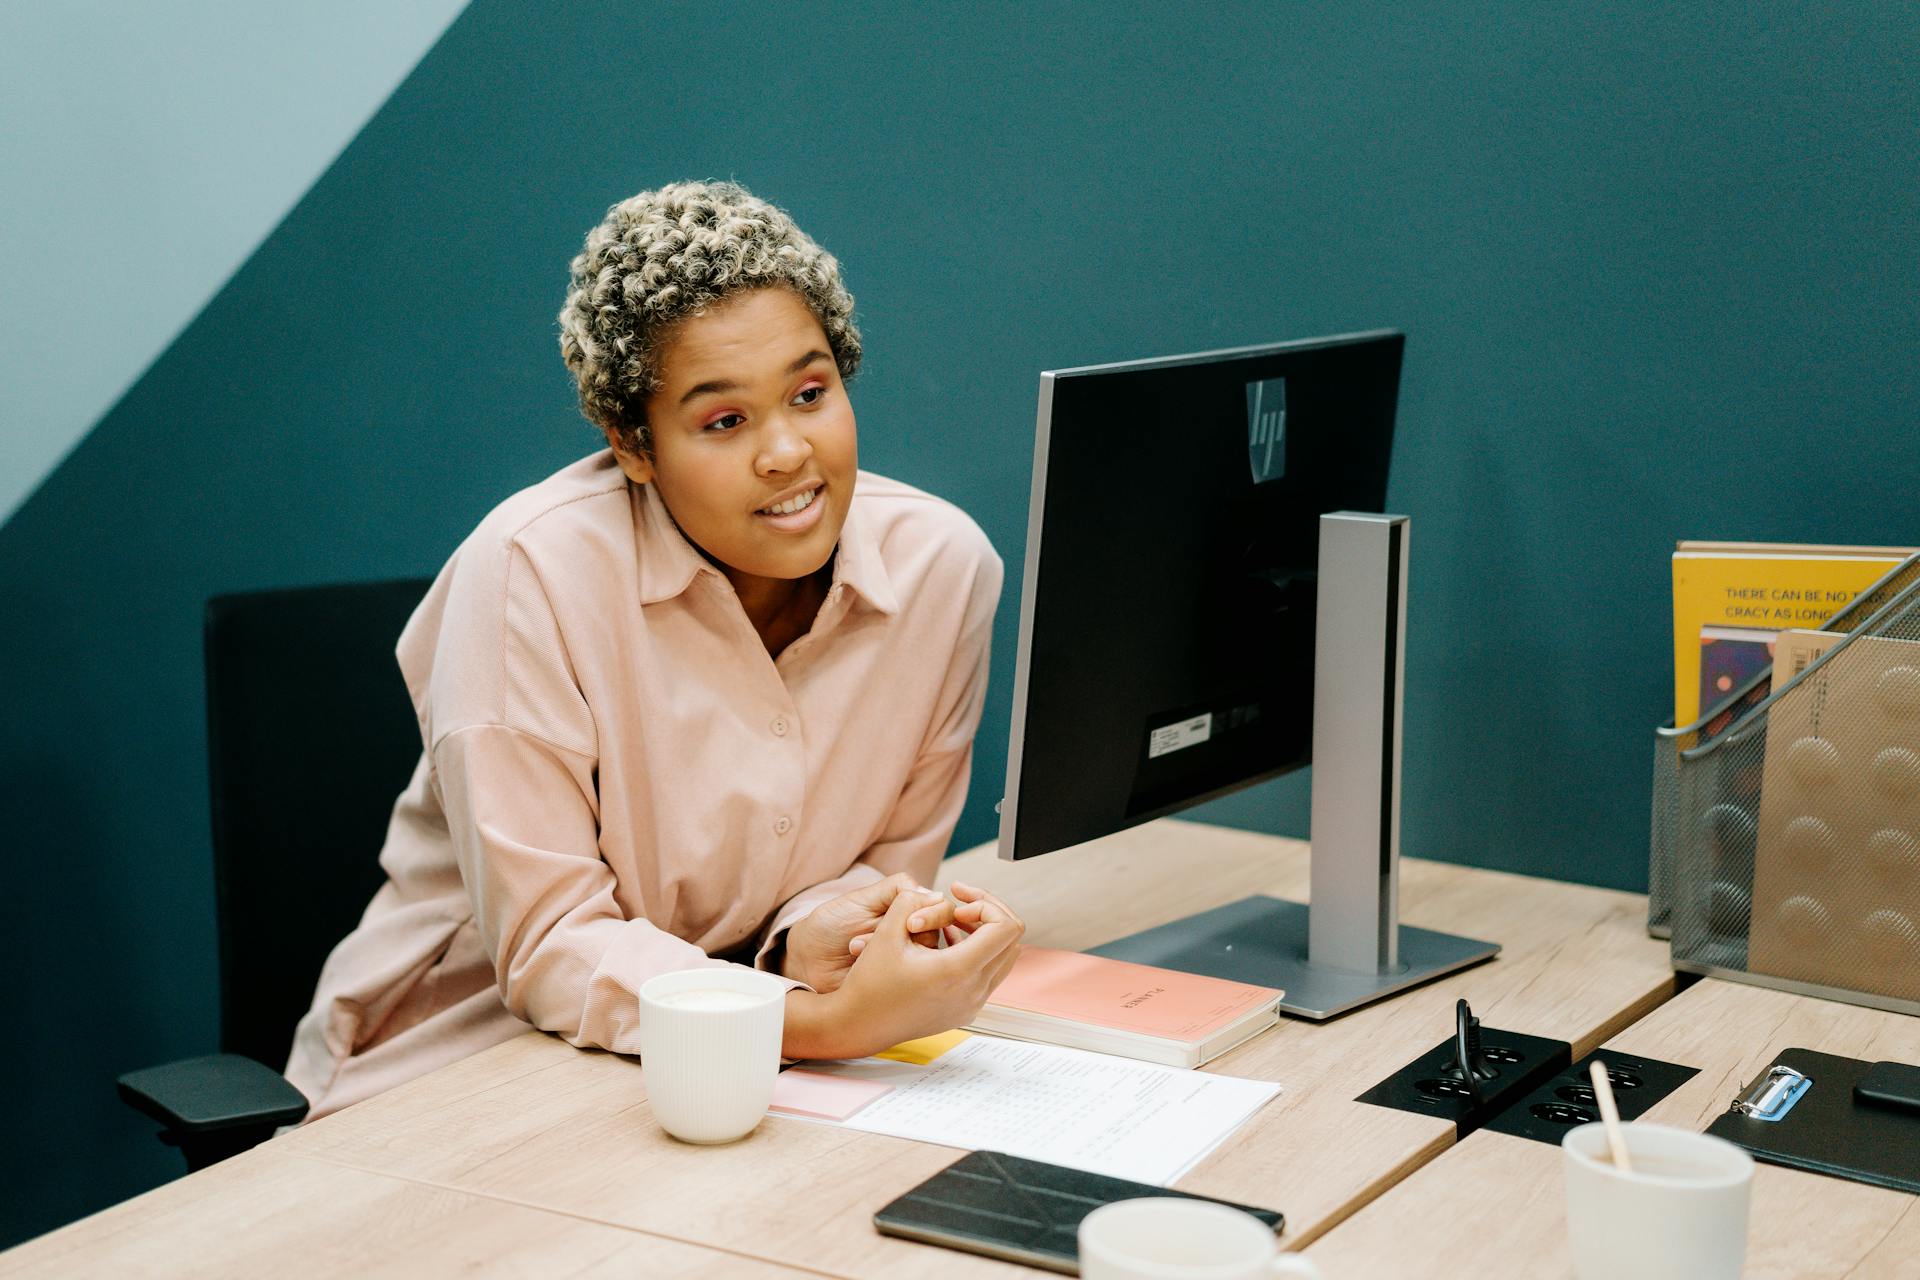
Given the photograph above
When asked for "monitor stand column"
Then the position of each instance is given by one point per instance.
(1349, 949)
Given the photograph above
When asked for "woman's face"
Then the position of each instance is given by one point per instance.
(753, 437)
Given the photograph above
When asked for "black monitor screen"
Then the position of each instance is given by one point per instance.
(1167, 620)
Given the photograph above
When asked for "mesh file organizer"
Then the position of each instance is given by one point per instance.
(1786, 823)
(1671, 742)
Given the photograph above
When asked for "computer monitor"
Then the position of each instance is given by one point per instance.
(1168, 622)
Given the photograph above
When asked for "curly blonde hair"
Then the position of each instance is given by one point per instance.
(661, 256)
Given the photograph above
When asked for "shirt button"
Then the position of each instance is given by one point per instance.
(779, 726)
(782, 825)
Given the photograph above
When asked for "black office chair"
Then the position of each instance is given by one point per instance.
(310, 737)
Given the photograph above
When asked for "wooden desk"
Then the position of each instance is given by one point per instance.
(1576, 965)
(1495, 1206)
(268, 1212)
(539, 1125)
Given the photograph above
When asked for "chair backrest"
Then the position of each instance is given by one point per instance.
(310, 739)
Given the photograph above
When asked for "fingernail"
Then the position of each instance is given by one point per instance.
(916, 923)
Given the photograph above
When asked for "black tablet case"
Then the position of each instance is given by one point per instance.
(1022, 1210)
(1830, 1131)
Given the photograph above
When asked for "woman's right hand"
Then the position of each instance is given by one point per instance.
(901, 990)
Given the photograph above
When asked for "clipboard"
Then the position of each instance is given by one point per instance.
(1802, 1112)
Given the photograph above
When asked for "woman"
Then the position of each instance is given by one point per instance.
(706, 697)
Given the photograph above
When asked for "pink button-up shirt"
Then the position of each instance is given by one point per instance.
(619, 781)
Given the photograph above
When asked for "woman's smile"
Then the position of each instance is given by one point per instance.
(797, 512)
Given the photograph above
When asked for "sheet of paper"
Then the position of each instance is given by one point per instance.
(1085, 1110)
(827, 1097)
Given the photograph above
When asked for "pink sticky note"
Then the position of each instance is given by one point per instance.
(809, 1093)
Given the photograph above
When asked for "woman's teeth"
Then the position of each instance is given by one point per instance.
(791, 505)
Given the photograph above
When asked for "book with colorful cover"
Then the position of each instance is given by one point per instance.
(1134, 1010)
(1756, 587)
(1730, 657)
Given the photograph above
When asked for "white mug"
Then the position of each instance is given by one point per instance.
(710, 1049)
(1166, 1238)
(1681, 1214)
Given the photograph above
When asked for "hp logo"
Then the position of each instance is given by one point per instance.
(1267, 429)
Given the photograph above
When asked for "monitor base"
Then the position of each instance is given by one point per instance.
(1263, 941)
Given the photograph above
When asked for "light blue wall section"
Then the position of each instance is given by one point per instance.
(145, 150)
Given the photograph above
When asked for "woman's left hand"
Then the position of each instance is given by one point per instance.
(821, 947)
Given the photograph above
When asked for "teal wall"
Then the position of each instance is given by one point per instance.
(1657, 272)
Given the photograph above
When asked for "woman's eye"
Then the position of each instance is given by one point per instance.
(810, 395)
(725, 422)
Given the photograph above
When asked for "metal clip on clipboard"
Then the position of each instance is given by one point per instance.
(1771, 1096)
(1830, 1129)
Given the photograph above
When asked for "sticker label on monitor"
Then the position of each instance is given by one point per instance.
(1267, 429)
(1173, 737)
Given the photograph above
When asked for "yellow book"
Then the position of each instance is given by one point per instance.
(1760, 588)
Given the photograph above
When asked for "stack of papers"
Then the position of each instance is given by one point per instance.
(1084, 1110)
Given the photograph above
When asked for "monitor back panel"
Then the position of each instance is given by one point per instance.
(1168, 625)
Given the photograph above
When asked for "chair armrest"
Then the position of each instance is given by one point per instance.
(222, 1091)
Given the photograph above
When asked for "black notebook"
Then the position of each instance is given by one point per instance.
(1021, 1210)
(1831, 1130)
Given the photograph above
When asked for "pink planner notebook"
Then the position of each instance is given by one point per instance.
(1128, 997)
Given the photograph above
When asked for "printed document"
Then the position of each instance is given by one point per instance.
(1085, 1110)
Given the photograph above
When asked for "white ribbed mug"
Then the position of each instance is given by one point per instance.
(1681, 1214)
(1170, 1238)
(710, 1049)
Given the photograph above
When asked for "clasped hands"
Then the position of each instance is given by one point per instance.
(879, 972)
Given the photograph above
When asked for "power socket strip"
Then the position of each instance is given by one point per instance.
(1429, 1085)
(1566, 1100)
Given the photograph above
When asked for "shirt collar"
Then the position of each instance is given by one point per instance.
(859, 565)
(669, 563)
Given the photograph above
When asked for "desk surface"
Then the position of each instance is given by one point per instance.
(1495, 1206)
(269, 1212)
(541, 1124)
(536, 1125)
(1576, 965)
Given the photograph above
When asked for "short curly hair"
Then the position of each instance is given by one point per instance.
(661, 256)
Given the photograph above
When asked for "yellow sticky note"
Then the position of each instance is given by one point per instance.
(924, 1050)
